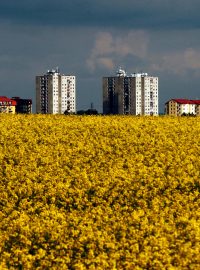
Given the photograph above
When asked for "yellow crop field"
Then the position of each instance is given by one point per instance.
(99, 192)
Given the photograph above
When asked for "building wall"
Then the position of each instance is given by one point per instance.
(23, 105)
(38, 93)
(171, 108)
(42, 94)
(68, 94)
(197, 109)
(187, 108)
(133, 96)
(7, 109)
(113, 95)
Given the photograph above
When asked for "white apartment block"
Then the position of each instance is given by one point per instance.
(136, 94)
(55, 93)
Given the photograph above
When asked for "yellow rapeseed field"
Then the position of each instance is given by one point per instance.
(99, 192)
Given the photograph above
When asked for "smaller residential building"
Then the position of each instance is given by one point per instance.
(7, 105)
(180, 107)
(23, 105)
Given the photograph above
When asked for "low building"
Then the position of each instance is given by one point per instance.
(7, 105)
(23, 105)
(178, 107)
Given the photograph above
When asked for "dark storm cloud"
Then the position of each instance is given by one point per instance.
(92, 38)
(114, 13)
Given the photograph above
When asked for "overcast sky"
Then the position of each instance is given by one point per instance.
(92, 38)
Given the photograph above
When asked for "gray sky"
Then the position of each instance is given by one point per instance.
(92, 38)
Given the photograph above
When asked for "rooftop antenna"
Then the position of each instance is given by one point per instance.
(57, 70)
(121, 72)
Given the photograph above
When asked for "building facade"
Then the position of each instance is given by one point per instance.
(178, 107)
(55, 93)
(136, 94)
(7, 105)
(23, 105)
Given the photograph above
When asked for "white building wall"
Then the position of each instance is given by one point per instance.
(55, 93)
(138, 95)
(146, 94)
(192, 108)
(68, 94)
(154, 93)
(187, 108)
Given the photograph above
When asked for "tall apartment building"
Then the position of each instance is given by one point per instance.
(55, 93)
(136, 94)
(178, 107)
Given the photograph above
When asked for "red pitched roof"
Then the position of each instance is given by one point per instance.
(7, 101)
(185, 101)
(196, 101)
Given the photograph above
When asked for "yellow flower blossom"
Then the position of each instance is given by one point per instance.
(99, 192)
